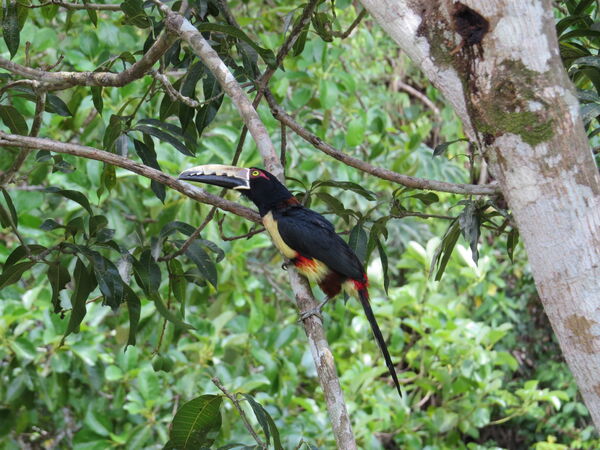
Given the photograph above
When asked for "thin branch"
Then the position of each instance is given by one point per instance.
(418, 95)
(7, 140)
(76, 6)
(352, 26)
(63, 80)
(404, 214)
(192, 237)
(241, 412)
(174, 94)
(386, 174)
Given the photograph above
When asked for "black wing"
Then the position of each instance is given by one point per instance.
(313, 236)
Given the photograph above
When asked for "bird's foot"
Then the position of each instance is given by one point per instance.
(285, 266)
(313, 311)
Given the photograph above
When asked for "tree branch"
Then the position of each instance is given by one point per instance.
(313, 327)
(75, 6)
(54, 81)
(386, 174)
(133, 166)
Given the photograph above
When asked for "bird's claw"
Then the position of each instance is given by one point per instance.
(309, 313)
(285, 266)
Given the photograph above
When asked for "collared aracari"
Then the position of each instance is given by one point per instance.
(302, 235)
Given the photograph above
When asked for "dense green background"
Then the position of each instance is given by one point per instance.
(475, 353)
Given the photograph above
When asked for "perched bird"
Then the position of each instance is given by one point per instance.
(302, 235)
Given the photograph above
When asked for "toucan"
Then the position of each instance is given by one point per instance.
(306, 238)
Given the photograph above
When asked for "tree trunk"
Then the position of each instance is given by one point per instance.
(497, 62)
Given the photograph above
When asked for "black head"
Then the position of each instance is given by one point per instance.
(257, 184)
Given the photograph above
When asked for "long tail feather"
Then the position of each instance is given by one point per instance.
(363, 294)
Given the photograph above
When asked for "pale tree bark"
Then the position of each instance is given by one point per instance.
(497, 62)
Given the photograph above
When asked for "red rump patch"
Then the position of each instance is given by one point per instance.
(303, 261)
(360, 285)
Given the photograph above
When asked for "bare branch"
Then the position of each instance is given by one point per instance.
(75, 6)
(54, 81)
(99, 155)
(386, 174)
(418, 95)
(174, 94)
(353, 25)
(241, 412)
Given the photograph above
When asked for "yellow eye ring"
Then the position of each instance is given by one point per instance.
(255, 173)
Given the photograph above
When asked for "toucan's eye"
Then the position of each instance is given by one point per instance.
(255, 173)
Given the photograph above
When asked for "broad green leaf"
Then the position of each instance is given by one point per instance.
(97, 98)
(10, 27)
(11, 207)
(50, 224)
(21, 252)
(85, 283)
(72, 195)
(265, 421)
(205, 265)
(470, 224)
(54, 104)
(13, 273)
(165, 137)
(134, 11)
(13, 120)
(107, 275)
(349, 186)
(188, 89)
(58, 276)
(355, 134)
(148, 157)
(197, 423)
(512, 240)
(207, 113)
(426, 197)
(358, 242)
(444, 251)
(147, 273)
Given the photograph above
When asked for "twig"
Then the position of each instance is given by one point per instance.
(403, 214)
(174, 94)
(240, 411)
(63, 80)
(8, 140)
(352, 26)
(418, 95)
(68, 5)
(386, 174)
(192, 237)
(282, 155)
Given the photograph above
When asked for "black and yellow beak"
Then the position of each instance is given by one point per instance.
(229, 177)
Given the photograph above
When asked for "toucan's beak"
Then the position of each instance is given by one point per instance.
(230, 177)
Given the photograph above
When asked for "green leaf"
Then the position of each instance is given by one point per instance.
(84, 285)
(205, 265)
(440, 149)
(347, 186)
(116, 127)
(188, 89)
(165, 137)
(107, 275)
(147, 273)
(261, 416)
(426, 197)
(58, 276)
(384, 265)
(135, 14)
(93, 15)
(148, 157)
(13, 273)
(97, 223)
(358, 242)
(197, 423)
(13, 120)
(76, 196)
(355, 133)
(97, 97)
(207, 113)
(267, 55)
(21, 252)
(50, 224)
(55, 105)
(11, 207)
(444, 251)
(134, 308)
(511, 242)
(10, 27)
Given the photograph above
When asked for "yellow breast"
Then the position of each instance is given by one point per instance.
(273, 231)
